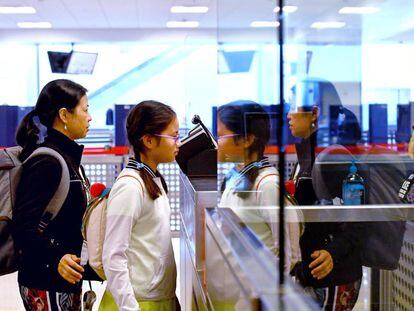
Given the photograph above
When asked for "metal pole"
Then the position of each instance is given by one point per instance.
(281, 146)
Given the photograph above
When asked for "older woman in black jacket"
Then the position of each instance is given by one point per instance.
(50, 273)
(331, 266)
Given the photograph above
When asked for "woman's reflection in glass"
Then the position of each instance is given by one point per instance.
(251, 189)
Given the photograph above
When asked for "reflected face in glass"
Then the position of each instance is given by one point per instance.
(230, 144)
(302, 123)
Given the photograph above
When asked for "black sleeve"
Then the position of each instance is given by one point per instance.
(345, 241)
(39, 182)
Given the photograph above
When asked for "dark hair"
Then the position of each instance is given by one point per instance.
(54, 96)
(247, 118)
(148, 117)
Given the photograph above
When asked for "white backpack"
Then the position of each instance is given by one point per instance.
(93, 229)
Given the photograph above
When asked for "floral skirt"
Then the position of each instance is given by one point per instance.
(36, 300)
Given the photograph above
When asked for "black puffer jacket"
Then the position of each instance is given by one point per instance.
(341, 240)
(40, 254)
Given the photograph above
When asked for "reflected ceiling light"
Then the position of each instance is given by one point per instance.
(358, 10)
(17, 10)
(264, 24)
(189, 9)
(325, 25)
(34, 25)
(286, 9)
(182, 24)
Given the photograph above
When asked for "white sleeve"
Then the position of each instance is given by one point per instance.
(124, 207)
(269, 196)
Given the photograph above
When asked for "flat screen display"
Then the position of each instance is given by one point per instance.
(81, 63)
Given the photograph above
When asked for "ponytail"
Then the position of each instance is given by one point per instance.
(152, 188)
(27, 135)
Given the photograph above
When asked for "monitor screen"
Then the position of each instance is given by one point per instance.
(58, 61)
(81, 63)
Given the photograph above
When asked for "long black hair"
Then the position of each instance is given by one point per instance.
(54, 96)
(148, 117)
(246, 118)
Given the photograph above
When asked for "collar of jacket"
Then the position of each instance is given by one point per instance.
(65, 144)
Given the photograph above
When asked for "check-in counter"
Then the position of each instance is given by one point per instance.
(224, 266)
(196, 195)
(241, 273)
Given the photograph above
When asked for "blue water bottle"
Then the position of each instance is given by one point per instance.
(353, 189)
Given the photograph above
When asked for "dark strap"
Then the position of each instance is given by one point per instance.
(56, 202)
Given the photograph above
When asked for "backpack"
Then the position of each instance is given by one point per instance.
(382, 241)
(383, 172)
(93, 229)
(10, 173)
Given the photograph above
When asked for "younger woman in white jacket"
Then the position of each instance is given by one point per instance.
(138, 257)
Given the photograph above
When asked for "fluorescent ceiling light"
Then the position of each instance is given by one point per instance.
(17, 10)
(325, 25)
(264, 24)
(182, 24)
(358, 10)
(34, 25)
(189, 9)
(286, 9)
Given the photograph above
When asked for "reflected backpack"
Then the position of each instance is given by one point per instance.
(93, 229)
(10, 173)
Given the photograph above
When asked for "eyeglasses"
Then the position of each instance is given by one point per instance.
(175, 138)
(227, 136)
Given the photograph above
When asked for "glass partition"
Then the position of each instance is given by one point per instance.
(347, 142)
(350, 110)
(247, 119)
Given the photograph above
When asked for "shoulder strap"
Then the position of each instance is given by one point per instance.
(56, 202)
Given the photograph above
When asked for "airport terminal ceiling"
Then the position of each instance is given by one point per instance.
(132, 19)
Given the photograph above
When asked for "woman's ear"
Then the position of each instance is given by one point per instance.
(63, 115)
(148, 141)
(315, 113)
(249, 140)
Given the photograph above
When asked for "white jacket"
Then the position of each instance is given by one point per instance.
(260, 212)
(138, 256)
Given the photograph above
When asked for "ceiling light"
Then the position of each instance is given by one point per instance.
(325, 25)
(264, 24)
(182, 24)
(34, 25)
(286, 9)
(17, 10)
(189, 9)
(358, 10)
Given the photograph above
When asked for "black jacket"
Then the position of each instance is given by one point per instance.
(341, 240)
(40, 254)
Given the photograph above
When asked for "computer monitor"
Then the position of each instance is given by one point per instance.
(81, 63)
(58, 61)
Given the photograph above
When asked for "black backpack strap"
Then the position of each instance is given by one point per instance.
(56, 202)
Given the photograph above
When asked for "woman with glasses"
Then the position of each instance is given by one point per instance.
(137, 255)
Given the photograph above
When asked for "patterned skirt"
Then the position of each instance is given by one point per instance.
(36, 300)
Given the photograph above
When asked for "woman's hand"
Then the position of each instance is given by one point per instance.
(322, 265)
(70, 269)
